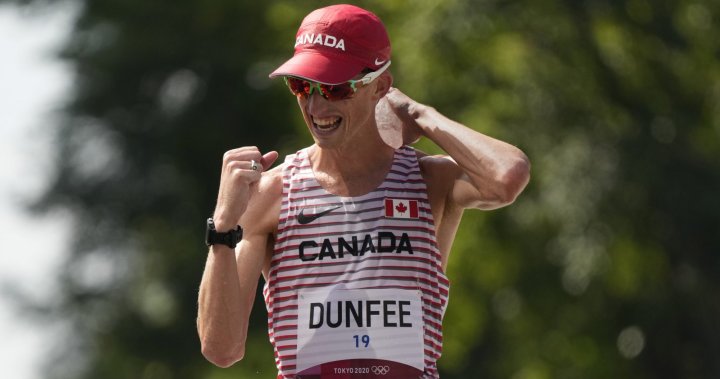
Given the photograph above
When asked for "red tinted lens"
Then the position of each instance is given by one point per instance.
(337, 92)
(303, 88)
(298, 87)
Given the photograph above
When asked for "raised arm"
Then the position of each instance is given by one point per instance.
(482, 172)
(230, 279)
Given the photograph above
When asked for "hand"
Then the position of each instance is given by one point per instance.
(395, 117)
(236, 178)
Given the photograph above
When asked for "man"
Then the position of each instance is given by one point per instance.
(351, 235)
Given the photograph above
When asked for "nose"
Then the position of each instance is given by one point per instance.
(316, 102)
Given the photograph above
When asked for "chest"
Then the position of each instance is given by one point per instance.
(349, 185)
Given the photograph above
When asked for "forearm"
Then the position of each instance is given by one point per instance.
(221, 323)
(229, 282)
(497, 170)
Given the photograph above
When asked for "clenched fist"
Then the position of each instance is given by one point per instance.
(236, 178)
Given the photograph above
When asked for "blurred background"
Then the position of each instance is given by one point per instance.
(608, 266)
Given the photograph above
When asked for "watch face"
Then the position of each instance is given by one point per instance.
(209, 232)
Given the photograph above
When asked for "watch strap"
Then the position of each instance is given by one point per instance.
(229, 238)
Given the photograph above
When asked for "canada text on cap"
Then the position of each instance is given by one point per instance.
(335, 43)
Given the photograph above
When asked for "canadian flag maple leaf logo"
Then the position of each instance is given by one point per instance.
(401, 208)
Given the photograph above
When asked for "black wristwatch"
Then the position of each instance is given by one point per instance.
(229, 239)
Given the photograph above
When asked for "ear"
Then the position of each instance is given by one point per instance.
(384, 83)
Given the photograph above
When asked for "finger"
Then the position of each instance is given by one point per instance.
(268, 159)
(264, 162)
(244, 167)
(397, 98)
(392, 92)
(242, 150)
(245, 153)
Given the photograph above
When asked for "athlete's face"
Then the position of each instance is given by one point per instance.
(339, 124)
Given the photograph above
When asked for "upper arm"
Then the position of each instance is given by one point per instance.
(459, 190)
(447, 183)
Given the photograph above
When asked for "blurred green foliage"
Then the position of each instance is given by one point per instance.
(606, 267)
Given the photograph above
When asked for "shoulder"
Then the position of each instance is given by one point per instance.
(270, 187)
(263, 209)
(438, 169)
(271, 180)
(440, 173)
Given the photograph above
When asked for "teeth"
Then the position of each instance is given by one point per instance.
(329, 121)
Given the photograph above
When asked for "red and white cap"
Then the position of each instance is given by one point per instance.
(336, 43)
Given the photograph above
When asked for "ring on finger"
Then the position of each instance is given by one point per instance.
(253, 165)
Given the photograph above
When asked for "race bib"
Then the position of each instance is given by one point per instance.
(364, 333)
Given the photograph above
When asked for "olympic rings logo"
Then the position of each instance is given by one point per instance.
(380, 370)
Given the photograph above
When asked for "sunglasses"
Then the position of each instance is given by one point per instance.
(333, 92)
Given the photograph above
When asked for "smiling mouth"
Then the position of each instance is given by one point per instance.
(326, 125)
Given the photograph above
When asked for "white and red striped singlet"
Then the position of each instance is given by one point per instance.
(356, 287)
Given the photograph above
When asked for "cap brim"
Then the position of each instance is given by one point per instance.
(315, 67)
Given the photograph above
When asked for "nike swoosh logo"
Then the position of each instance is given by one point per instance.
(303, 218)
(379, 63)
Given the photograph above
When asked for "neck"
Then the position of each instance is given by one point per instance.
(352, 169)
